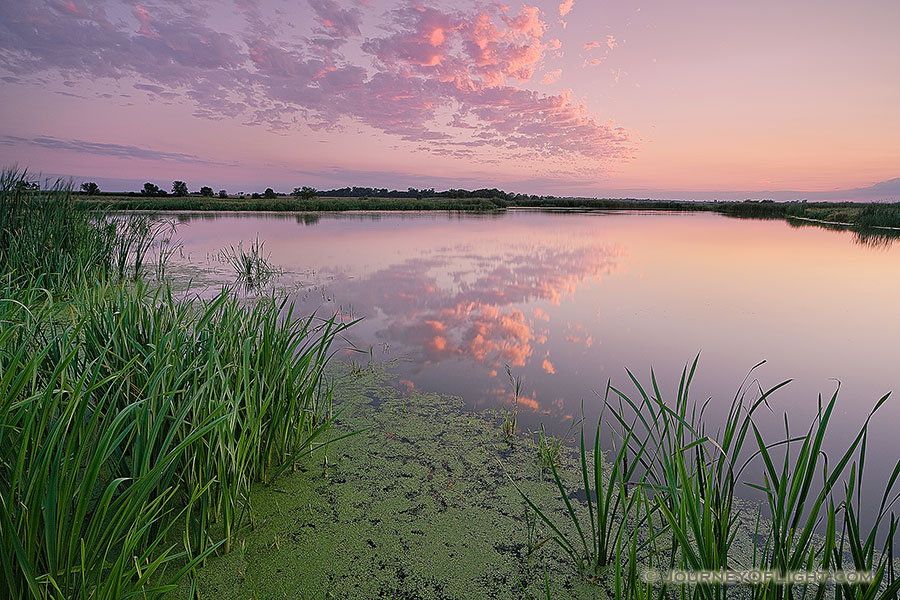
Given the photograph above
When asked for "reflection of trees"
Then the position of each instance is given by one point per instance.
(876, 238)
(311, 218)
(308, 218)
(871, 237)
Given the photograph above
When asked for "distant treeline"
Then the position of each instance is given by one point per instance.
(871, 214)
(367, 192)
(288, 203)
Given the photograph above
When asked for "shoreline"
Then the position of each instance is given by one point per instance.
(421, 504)
(865, 216)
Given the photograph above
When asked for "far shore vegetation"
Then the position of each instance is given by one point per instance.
(305, 198)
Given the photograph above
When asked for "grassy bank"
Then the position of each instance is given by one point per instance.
(133, 423)
(858, 215)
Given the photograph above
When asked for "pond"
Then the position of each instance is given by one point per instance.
(570, 300)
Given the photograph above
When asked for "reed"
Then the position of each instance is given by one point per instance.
(42, 235)
(45, 235)
(253, 268)
(133, 423)
(137, 410)
(666, 499)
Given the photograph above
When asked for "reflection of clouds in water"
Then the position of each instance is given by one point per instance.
(578, 335)
(470, 307)
(547, 366)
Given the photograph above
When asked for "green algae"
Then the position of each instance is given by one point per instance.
(420, 504)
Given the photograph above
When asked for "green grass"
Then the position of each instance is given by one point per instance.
(252, 268)
(139, 410)
(43, 235)
(860, 215)
(667, 499)
(511, 417)
(132, 422)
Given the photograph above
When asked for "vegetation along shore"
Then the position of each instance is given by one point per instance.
(845, 214)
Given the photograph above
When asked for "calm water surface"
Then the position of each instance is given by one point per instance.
(568, 301)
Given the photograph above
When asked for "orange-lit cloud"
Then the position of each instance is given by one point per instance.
(552, 76)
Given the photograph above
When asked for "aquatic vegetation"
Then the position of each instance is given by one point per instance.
(45, 236)
(510, 417)
(133, 423)
(138, 411)
(319, 204)
(252, 268)
(681, 487)
(549, 448)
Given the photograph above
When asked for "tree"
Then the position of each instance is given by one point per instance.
(222, 194)
(150, 190)
(179, 188)
(305, 193)
(90, 188)
(206, 191)
(270, 194)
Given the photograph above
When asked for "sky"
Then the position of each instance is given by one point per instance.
(698, 98)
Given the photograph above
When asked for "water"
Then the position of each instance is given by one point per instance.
(569, 300)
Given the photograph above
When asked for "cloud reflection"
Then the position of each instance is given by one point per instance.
(483, 309)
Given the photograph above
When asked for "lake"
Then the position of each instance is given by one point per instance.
(570, 300)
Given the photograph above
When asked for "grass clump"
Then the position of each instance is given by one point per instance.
(252, 268)
(45, 236)
(137, 410)
(666, 500)
(511, 417)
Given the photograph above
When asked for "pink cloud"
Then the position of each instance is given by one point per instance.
(337, 21)
(565, 7)
(610, 43)
(72, 8)
(143, 17)
(449, 78)
(552, 76)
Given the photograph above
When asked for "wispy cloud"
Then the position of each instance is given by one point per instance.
(116, 150)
